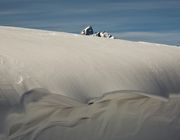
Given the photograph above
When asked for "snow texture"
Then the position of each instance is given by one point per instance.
(63, 86)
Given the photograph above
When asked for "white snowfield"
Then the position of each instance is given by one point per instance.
(71, 87)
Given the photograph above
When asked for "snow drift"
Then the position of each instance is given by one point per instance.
(61, 79)
(113, 117)
(87, 67)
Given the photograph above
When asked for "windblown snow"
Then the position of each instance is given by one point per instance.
(60, 85)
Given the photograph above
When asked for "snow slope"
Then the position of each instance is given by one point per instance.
(87, 67)
(95, 75)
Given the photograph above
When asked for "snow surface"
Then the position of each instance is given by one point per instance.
(113, 89)
(87, 67)
(113, 117)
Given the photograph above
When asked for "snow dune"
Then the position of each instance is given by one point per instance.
(87, 67)
(74, 81)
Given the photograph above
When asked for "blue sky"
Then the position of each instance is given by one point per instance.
(140, 20)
